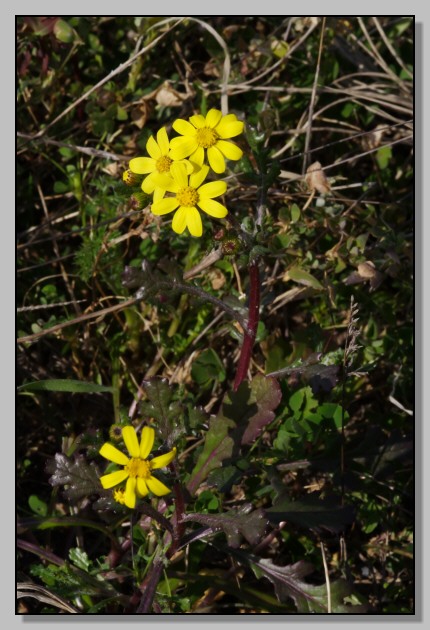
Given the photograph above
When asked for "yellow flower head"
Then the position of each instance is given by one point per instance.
(209, 134)
(157, 166)
(189, 193)
(137, 469)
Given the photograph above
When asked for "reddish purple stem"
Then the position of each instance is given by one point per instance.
(249, 337)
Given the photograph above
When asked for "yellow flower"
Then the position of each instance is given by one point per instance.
(210, 133)
(137, 469)
(190, 193)
(157, 166)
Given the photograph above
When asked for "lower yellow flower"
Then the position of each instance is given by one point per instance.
(137, 469)
(157, 166)
(190, 194)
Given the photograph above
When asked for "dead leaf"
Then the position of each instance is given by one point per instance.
(366, 272)
(217, 279)
(167, 96)
(139, 115)
(316, 179)
(367, 269)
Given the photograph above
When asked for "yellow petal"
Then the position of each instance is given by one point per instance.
(198, 157)
(156, 487)
(153, 149)
(163, 141)
(230, 150)
(158, 194)
(214, 208)
(216, 160)
(184, 128)
(179, 222)
(213, 117)
(182, 147)
(142, 165)
(212, 189)
(198, 121)
(164, 206)
(228, 118)
(146, 441)
(229, 129)
(189, 167)
(113, 479)
(148, 184)
(197, 179)
(161, 180)
(163, 460)
(179, 174)
(113, 454)
(130, 493)
(142, 488)
(194, 222)
(130, 440)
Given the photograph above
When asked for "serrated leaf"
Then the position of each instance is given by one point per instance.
(288, 584)
(312, 512)
(299, 275)
(64, 385)
(160, 405)
(81, 478)
(235, 524)
(79, 558)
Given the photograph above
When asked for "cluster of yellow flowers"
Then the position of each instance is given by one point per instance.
(177, 166)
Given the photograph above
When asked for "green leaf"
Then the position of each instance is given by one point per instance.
(64, 385)
(383, 157)
(79, 558)
(63, 32)
(299, 275)
(207, 368)
(217, 447)
(295, 213)
(38, 506)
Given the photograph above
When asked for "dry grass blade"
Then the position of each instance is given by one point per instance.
(28, 589)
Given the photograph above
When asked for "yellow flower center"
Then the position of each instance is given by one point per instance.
(119, 495)
(137, 467)
(163, 164)
(187, 196)
(207, 137)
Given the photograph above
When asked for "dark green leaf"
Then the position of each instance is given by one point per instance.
(168, 412)
(217, 447)
(308, 598)
(236, 524)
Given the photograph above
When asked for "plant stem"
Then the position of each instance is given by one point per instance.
(178, 526)
(251, 333)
